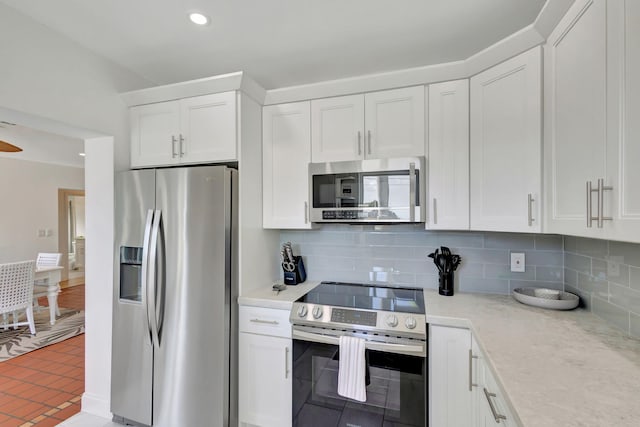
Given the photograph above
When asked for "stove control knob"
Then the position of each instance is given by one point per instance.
(317, 312)
(302, 311)
(410, 323)
(392, 320)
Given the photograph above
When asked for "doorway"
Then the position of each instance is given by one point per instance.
(71, 235)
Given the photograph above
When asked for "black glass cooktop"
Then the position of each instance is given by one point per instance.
(368, 297)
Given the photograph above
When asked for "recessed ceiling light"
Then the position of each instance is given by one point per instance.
(81, 154)
(198, 18)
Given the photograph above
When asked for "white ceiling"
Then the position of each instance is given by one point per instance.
(42, 147)
(281, 42)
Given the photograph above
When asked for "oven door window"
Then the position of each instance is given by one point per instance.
(396, 389)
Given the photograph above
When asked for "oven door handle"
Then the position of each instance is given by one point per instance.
(408, 349)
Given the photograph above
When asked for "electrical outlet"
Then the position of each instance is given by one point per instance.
(517, 262)
(49, 232)
(42, 232)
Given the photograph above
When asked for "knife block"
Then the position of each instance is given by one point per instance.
(446, 284)
(298, 275)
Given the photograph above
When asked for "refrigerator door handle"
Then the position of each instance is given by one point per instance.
(153, 279)
(145, 268)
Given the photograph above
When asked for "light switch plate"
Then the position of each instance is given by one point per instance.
(517, 262)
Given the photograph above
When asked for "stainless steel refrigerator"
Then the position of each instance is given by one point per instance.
(174, 351)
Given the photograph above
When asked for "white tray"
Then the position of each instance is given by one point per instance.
(546, 298)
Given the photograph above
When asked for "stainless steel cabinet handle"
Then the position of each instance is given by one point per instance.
(471, 383)
(266, 322)
(369, 141)
(601, 189)
(589, 205)
(173, 146)
(412, 191)
(494, 412)
(181, 145)
(306, 212)
(359, 143)
(286, 362)
(530, 201)
(435, 211)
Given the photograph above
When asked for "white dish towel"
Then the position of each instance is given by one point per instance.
(351, 370)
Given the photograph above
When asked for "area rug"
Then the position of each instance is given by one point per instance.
(20, 341)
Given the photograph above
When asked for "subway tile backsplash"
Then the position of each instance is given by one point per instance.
(397, 255)
(605, 274)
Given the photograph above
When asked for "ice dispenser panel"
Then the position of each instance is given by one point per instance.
(130, 273)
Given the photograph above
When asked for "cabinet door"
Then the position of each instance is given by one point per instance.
(286, 154)
(506, 147)
(155, 130)
(623, 110)
(337, 129)
(448, 155)
(208, 128)
(576, 116)
(450, 394)
(264, 375)
(394, 123)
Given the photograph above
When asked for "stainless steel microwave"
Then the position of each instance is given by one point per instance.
(374, 190)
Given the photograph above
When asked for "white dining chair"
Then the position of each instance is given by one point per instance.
(41, 287)
(16, 293)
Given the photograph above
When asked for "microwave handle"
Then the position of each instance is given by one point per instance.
(412, 192)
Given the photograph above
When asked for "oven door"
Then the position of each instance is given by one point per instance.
(396, 387)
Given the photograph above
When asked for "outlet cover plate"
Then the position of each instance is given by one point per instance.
(517, 262)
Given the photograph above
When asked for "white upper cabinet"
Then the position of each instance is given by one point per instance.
(208, 126)
(448, 155)
(154, 132)
(201, 129)
(394, 122)
(592, 101)
(624, 100)
(338, 128)
(505, 146)
(375, 125)
(286, 155)
(576, 117)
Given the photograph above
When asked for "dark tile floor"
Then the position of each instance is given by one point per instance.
(42, 388)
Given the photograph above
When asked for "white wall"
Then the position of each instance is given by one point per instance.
(29, 199)
(45, 75)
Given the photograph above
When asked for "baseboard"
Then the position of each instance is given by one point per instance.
(95, 405)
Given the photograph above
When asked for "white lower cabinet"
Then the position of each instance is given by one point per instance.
(264, 368)
(463, 391)
(450, 397)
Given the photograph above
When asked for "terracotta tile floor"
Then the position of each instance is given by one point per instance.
(42, 388)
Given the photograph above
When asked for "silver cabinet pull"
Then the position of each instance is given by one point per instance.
(530, 201)
(590, 192)
(266, 322)
(369, 141)
(471, 383)
(601, 189)
(359, 143)
(286, 362)
(435, 211)
(306, 210)
(494, 412)
(412, 191)
(181, 145)
(173, 147)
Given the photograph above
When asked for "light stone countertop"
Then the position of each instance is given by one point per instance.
(266, 297)
(558, 368)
